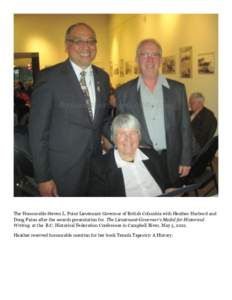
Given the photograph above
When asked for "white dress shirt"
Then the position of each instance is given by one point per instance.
(194, 115)
(137, 179)
(89, 78)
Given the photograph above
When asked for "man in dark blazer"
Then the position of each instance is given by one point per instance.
(203, 121)
(160, 105)
(67, 117)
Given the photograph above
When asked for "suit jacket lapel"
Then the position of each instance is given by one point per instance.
(168, 108)
(139, 113)
(98, 92)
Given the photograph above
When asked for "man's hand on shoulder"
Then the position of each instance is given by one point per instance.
(184, 170)
(48, 189)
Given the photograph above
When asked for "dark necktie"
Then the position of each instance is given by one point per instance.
(86, 93)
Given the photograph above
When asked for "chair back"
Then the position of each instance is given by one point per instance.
(183, 191)
(22, 156)
(24, 183)
(204, 158)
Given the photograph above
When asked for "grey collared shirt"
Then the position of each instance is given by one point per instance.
(153, 108)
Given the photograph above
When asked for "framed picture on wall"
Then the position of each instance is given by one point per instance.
(169, 65)
(121, 68)
(111, 68)
(206, 63)
(128, 68)
(136, 69)
(186, 62)
(115, 70)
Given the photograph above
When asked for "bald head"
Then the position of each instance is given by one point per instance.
(80, 25)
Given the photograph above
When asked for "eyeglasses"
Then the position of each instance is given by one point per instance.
(81, 43)
(152, 54)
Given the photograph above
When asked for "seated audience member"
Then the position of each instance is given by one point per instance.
(20, 110)
(127, 170)
(21, 93)
(22, 104)
(203, 121)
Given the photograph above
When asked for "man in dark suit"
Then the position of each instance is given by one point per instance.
(69, 110)
(160, 105)
(203, 121)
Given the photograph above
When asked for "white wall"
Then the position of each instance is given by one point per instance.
(118, 36)
(44, 33)
(173, 31)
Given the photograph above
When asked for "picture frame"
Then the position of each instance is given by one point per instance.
(115, 69)
(111, 68)
(206, 63)
(186, 62)
(128, 68)
(121, 68)
(169, 65)
(136, 69)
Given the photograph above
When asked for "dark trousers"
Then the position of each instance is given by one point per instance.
(164, 163)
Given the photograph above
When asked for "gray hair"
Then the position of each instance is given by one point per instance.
(71, 27)
(153, 41)
(198, 96)
(124, 121)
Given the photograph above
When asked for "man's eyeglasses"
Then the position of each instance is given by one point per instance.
(152, 54)
(81, 43)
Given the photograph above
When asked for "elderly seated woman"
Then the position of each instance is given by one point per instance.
(127, 170)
